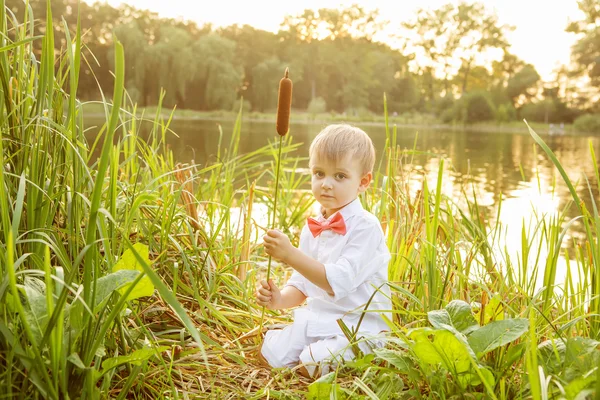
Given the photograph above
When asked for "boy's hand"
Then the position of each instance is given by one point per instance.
(277, 245)
(268, 295)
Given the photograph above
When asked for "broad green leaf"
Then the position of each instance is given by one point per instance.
(76, 360)
(578, 347)
(579, 385)
(400, 361)
(438, 318)
(129, 262)
(496, 334)
(552, 354)
(475, 380)
(170, 298)
(457, 314)
(114, 281)
(494, 310)
(135, 358)
(35, 290)
(461, 316)
(324, 388)
(441, 347)
(36, 313)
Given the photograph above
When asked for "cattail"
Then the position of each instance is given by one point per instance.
(284, 107)
(284, 104)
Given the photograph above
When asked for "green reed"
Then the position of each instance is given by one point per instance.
(68, 217)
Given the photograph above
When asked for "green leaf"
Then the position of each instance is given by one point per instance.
(111, 282)
(457, 314)
(475, 379)
(579, 385)
(496, 334)
(461, 316)
(128, 261)
(324, 388)
(170, 299)
(441, 347)
(76, 360)
(552, 354)
(494, 310)
(135, 358)
(400, 361)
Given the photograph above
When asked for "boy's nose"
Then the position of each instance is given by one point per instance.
(326, 184)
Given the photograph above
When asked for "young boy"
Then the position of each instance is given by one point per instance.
(339, 265)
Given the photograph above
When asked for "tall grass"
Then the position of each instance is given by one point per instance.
(74, 325)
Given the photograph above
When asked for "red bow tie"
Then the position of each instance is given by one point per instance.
(336, 224)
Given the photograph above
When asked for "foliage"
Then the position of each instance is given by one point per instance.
(246, 106)
(522, 83)
(506, 112)
(465, 29)
(586, 51)
(539, 111)
(317, 106)
(78, 227)
(206, 68)
(470, 108)
(587, 123)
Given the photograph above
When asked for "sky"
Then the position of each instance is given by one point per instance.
(539, 37)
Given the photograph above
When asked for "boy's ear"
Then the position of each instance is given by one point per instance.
(365, 181)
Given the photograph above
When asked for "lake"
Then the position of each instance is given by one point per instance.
(510, 165)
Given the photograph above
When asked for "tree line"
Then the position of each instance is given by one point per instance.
(335, 62)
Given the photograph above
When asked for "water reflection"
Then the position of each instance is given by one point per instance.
(489, 165)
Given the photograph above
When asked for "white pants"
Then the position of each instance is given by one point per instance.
(290, 346)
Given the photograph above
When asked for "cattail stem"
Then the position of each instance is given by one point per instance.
(262, 316)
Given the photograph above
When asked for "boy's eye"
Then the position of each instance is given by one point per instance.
(318, 174)
(339, 176)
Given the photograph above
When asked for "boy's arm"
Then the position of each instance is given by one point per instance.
(364, 254)
(290, 297)
(269, 295)
(310, 268)
(279, 246)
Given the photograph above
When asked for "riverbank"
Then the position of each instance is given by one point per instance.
(409, 120)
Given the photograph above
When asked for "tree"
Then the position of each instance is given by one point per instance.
(330, 23)
(136, 58)
(175, 65)
(265, 78)
(452, 37)
(217, 73)
(522, 86)
(255, 47)
(320, 38)
(585, 53)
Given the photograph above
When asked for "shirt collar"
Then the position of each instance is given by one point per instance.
(350, 209)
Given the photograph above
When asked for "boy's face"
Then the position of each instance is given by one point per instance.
(336, 184)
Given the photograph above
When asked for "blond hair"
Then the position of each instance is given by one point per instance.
(338, 140)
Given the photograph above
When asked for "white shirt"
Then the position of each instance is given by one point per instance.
(356, 264)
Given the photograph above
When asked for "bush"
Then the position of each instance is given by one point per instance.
(538, 112)
(443, 104)
(448, 115)
(245, 108)
(588, 123)
(506, 113)
(358, 112)
(470, 108)
(317, 106)
(478, 107)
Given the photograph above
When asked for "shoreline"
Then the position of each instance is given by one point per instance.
(484, 128)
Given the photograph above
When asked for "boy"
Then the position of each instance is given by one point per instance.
(341, 260)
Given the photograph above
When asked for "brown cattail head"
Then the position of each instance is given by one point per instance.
(284, 104)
